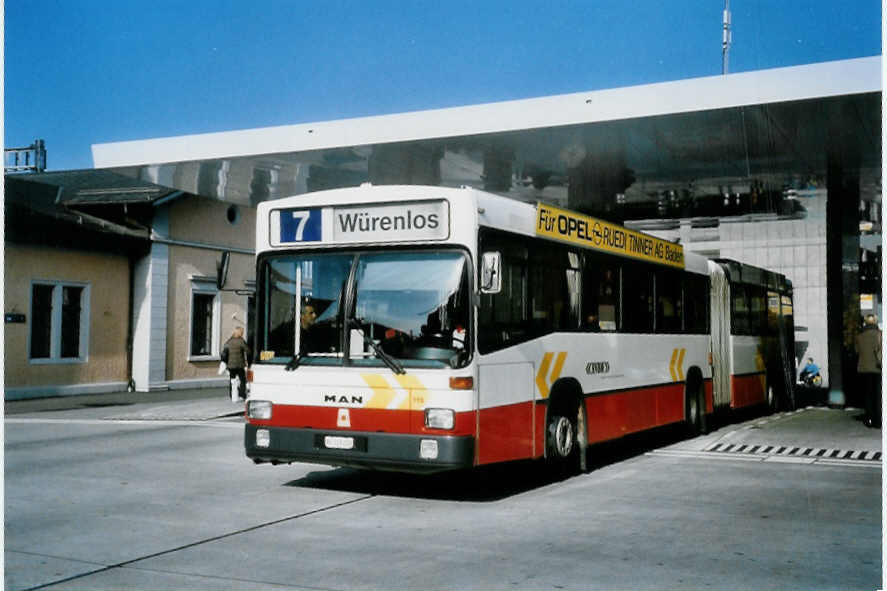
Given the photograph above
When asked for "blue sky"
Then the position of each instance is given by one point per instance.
(80, 72)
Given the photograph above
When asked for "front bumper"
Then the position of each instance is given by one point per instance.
(382, 451)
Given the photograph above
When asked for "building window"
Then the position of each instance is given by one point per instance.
(59, 322)
(205, 318)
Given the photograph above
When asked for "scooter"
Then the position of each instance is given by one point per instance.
(811, 380)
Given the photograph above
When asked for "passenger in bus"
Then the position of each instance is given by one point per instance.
(307, 318)
(236, 354)
(433, 334)
(868, 346)
(592, 323)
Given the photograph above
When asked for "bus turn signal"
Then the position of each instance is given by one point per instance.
(462, 383)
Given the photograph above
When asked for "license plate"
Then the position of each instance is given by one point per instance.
(333, 442)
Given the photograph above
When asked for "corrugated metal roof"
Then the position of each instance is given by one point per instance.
(95, 187)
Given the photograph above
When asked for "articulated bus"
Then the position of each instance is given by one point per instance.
(424, 329)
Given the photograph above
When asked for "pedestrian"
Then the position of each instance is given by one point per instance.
(236, 354)
(868, 347)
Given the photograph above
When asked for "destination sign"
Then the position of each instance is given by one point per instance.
(575, 228)
(406, 221)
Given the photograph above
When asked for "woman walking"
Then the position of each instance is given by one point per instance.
(236, 354)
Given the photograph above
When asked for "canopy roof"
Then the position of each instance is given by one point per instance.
(755, 131)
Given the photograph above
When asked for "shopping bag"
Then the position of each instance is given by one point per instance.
(235, 388)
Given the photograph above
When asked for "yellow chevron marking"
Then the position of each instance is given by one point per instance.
(541, 382)
(540, 375)
(383, 394)
(681, 365)
(674, 360)
(416, 392)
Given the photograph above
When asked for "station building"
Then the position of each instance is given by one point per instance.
(777, 168)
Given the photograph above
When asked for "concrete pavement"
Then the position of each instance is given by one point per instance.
(810, 432)
(811, 435)
(199, 404)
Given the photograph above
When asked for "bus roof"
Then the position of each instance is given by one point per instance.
(495, 211)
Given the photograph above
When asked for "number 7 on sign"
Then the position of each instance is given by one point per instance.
(302, 217)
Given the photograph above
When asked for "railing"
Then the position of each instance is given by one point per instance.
(28, 159)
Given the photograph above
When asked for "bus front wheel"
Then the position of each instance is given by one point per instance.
(561, 437)
(565, 436)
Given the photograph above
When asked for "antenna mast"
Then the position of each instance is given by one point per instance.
(727, 38)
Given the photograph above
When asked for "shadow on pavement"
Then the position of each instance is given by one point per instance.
(486, 483)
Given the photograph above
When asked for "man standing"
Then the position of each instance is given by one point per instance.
(868, 345)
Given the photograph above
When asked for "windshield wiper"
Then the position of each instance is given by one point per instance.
(294, 362)
(387, 359)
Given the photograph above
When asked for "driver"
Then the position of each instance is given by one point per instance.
(307, 318)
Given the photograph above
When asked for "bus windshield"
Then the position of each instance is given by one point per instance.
(409, 306)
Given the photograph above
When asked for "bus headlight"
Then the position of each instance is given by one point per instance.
(440, 418)
(259, 409)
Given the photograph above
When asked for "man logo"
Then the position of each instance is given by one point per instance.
(344, 418)
(353, 399)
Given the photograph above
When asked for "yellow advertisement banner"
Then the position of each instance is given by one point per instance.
(569, 226)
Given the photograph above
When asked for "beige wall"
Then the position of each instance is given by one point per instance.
(204, 221)
(108, 278)
(198, 219)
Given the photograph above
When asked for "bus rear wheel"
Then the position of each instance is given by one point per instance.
(772, 400)
(694, 410)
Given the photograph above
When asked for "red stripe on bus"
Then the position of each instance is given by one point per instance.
(505, 432)
(748, 389)
(509, 432)
(613, 415)
(610, 416)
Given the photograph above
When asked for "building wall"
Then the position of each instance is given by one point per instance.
(794, 247)
(205, 222)
(107, 276)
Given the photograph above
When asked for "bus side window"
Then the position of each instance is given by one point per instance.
(757, 318)
(555, 289)
(669, 305)
(600, 295)
(637, 298)
(503, 316)
(739, 309)
(696, 304)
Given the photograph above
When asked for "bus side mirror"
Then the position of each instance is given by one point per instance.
(491, 273)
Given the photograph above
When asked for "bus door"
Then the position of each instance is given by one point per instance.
(506, 408)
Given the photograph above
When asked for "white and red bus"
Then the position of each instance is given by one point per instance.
(426, 328)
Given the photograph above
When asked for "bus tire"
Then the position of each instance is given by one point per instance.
(694, 408)
(565, 435)
(772, 399)
(561, 437)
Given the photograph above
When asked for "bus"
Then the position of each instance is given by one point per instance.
(424, 329)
